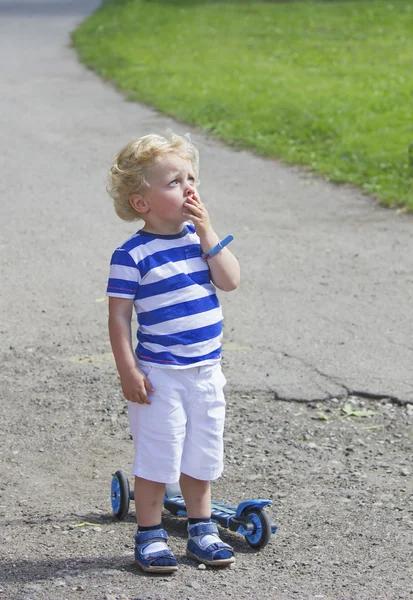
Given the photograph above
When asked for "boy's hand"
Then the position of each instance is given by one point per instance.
(198, 214)
(135, 386)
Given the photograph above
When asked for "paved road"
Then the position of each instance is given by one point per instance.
(325, 307)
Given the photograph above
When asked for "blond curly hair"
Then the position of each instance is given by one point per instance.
(127, 175)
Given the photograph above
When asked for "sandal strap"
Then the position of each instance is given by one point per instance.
(159, 554)
(153, 534)
(216, 547)
(202, 529)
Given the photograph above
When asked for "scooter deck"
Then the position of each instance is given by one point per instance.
(220, 512)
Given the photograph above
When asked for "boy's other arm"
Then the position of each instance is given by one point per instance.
(135, 385)
(224, 267)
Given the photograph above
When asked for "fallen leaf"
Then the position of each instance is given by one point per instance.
(349, 411)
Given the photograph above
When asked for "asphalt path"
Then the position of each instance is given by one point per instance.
(325, 305)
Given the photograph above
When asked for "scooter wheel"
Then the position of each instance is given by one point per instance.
(120, 495)
(261, 534)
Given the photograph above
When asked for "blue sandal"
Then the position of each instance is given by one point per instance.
(205, 546)
(152, 554)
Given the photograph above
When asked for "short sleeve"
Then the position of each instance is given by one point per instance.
(124, 275)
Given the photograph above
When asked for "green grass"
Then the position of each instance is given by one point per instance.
(323, 84)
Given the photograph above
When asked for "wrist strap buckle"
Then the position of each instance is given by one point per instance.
(218, 247)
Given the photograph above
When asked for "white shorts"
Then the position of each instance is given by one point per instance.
(181, 431)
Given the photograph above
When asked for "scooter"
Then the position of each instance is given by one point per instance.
(248, 518)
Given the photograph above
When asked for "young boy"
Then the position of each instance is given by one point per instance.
(173, 381)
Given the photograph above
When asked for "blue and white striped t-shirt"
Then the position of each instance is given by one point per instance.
(179, 315)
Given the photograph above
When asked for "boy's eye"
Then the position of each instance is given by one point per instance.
(191, 179)
(173, 182)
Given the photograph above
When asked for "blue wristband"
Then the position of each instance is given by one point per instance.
(218, 247)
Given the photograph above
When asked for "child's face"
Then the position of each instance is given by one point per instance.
(171, 181)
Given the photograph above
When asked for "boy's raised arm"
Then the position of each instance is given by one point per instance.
(224, 267)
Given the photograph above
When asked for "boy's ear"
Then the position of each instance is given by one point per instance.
(139, 203)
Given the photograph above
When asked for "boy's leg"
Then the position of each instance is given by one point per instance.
(151, 552)
(204, 543)
(148, 502)
(158, 432)
(197, 495)
(202, 457)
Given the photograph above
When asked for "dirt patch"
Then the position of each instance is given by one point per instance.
(341, 485)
